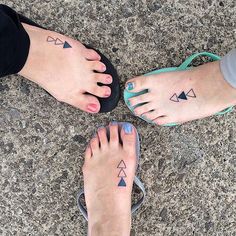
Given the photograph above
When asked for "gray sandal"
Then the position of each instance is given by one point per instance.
(137, 182)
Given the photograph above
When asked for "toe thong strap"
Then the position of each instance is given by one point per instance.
(134, 208)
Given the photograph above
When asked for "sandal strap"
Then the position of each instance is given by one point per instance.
(189, 60)
(80, 205)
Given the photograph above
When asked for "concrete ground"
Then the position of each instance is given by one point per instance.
(189, 171)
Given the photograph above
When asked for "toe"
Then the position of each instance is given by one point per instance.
(102, 78)
(92, 55)
(114, 133)
(140, 99)
(97, 66)
(94, 144)
(152, 115)
(163, 120)
(102, 135)
(86, 102)
(137, 84)
(128, 137)
(88, 153)
(138, 111)
(100, 91)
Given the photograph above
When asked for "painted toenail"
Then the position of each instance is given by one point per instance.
(108, 79)
(92, 107)
(107, 94)
(113, 123)
(127, 128)
(104, 68)
(130, 86)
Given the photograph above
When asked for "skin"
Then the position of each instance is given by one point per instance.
(67, 74)
(108, 205)
(213, 94)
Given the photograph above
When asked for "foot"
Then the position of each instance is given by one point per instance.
(66, 69)
(177, 97)
(109, 170)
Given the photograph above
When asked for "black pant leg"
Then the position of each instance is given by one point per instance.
(14, 42)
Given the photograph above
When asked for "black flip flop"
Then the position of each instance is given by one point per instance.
(107, 104)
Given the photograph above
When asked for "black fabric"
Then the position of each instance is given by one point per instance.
(108, 104)
(14, 42)
(14, 49)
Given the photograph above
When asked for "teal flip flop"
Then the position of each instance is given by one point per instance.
(184, 66)
(137, 181)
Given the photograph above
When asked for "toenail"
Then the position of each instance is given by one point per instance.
(108, 79)
(130, 86)
(113, 123)
(107, 94)
(127, 128)
(92, 107)
(104, 68)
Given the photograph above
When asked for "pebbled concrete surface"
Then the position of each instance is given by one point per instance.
(189, 171)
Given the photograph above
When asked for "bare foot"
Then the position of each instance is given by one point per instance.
(109, 170)
(177, 97)
(66, 69)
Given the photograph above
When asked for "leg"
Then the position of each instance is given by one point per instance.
(68, 70)
(213, 86)
(14, 42)
(109, 202)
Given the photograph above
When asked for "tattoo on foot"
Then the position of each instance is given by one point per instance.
(122, 174)
(57, 42)
(183, 96)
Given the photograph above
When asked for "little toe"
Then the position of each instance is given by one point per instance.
(162, 120)
(128, 137)
(92, 55)
(137, 84)
(97, 66)
(138, 111)
(103, 78)
(152, 115)
(102, 135)
(86, 103)
(114, 133)
(88, 153)
(144, 98)
(94, 144)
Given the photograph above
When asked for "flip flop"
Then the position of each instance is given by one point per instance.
(107, 104)
(184, 66)
(137, 182)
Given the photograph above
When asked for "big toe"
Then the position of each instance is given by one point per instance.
(87, 103)
(129, 138)
(137, 84)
